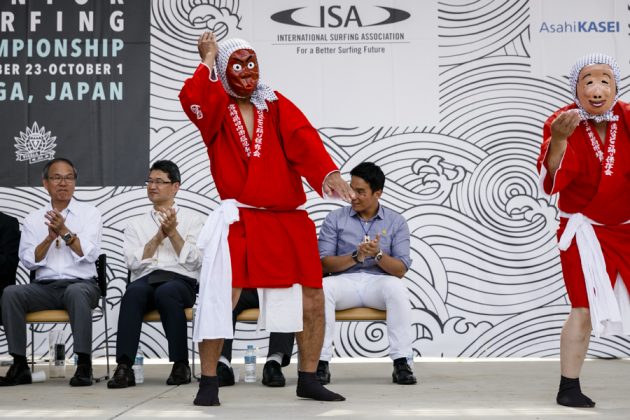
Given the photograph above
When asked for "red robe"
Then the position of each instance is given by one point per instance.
(277, 246)
(585, 188)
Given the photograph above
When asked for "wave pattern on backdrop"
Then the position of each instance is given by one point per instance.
(486, 278)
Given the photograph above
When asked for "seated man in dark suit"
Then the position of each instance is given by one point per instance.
(278, 356)
(161, 252)
(60, 242)
(9, 244)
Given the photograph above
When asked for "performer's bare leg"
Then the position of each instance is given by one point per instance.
(310, 340)
(309, 343)
(209, 353)
(574, 341)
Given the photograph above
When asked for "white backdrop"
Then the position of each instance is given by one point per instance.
(449, 101)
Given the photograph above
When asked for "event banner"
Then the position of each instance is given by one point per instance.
(561, 28)
(74, 83)
(346, 63)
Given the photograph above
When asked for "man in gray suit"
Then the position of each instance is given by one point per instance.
(60, 242)
(9, 242)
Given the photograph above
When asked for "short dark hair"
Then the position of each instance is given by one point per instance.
(55, 160)
(370, 173)
(168, 167)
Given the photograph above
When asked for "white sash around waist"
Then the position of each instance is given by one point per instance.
(280, 309)
(610, 310)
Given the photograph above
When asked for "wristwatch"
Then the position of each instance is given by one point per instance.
(355, 257)
(67, 237)
(378, 255)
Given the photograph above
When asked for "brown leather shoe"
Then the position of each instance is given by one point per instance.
(225, 375)
(323, 372)
(403, 375)
(123, 377)
(82, 376)
(272, 375)
(180, 374)
(16, 376)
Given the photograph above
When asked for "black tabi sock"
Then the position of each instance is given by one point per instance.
(570, 394)
(208, 393)
(309, 387)
(125, 360)
(84, 359)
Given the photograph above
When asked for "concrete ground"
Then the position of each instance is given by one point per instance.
(447, 389)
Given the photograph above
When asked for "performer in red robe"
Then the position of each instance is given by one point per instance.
(585, 158)
(260, 145)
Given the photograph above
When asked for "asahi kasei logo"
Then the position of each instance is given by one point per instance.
(35, 144)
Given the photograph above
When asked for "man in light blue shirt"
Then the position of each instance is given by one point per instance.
(365, 249)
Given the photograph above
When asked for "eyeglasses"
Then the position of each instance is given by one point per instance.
(56, 179)
(158, 182)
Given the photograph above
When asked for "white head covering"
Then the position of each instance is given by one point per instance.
(587, 60)
(262, 92)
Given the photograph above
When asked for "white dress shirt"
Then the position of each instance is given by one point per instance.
(60, 262)
(141, 229)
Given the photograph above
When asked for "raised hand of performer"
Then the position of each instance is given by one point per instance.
(561, 128)
(208, 48)
(336, 187)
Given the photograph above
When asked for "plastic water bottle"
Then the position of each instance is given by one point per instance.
(250, 364)
(138, 366)
(410, 361)
(57, 351)
(58, 367)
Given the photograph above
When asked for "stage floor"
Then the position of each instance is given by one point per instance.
(447, 389)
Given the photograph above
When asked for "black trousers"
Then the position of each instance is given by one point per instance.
(278, 342)
(170, 299)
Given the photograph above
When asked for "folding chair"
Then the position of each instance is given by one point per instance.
(352, 314)
(58, 316)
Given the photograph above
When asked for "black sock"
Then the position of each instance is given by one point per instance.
(181, 362)
(309, 387)
(208, 393)
(84, 359)
(125, 360)
(570, 394)
(20, 361)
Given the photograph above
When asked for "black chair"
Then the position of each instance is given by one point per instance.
(57, 316)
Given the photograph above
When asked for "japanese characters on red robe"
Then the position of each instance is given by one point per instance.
(594, 179)
(274, 245)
